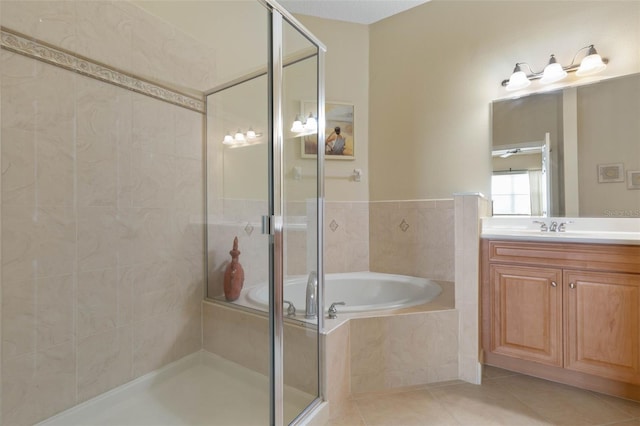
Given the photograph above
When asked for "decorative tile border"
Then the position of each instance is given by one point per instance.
(24, 45)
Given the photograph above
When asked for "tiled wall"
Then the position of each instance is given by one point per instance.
(242, 219)
(470, 208)
(243, 338)
(412, 238)
(403, 350)
(102, 270)
(346, 237)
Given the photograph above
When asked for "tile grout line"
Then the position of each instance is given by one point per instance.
(585, 391)
(522, 401)
(443, 406)
(360, 412)
(599, 397)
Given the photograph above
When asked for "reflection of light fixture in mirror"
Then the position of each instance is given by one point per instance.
(239, 137)
(228, 139)
(311, 123)
(553, 72)
(251, 137)
(297, 126)
(518, 79)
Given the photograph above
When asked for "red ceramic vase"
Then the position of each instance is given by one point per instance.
(233, 275)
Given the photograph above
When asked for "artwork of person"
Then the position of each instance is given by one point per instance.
(335, 143)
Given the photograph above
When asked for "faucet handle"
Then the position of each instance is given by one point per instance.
(333, 311)
(291, 310)
(543, 225)
(562, 227)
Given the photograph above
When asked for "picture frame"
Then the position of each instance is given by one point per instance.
(337, 115)
(608, 173)
(633, 179)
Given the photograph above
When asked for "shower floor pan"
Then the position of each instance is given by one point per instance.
(199, 389)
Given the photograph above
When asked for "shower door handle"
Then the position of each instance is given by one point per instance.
(267, 225)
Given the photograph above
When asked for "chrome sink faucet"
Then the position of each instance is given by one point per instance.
(543, 226)
(311, 299)
(553, 226)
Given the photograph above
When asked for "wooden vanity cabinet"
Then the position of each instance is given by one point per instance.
(526, 313)
(603, 324)
(564, 312)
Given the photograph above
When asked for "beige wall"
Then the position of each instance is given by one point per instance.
(347, 81)
(102, 256)
(435, 69)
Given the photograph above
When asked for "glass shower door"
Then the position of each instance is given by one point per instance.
(263, 190)
(300, 169)
(236, 330)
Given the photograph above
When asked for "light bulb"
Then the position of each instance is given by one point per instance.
(553, 72)
(297, 126)
(228, 139)
(239, 137)
(251, 134)
(311, 123)
(591, 64)
(518, 80)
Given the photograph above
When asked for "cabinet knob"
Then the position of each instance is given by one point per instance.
(572, 285)
(554, 284)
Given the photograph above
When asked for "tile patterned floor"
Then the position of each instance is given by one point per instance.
(504, 398)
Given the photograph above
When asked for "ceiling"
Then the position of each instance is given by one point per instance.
(358, 11)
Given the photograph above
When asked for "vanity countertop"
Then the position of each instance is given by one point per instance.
(578, 230)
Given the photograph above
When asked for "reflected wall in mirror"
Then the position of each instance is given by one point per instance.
(580, 128)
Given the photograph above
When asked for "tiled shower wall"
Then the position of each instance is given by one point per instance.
(101, 233)
(242, 219)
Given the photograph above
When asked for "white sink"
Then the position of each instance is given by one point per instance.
(594, 230)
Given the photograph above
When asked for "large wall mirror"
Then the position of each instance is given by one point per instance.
(573, 152)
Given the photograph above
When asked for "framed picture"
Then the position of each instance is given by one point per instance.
(610, 173)
(633, 179)
(339, 143)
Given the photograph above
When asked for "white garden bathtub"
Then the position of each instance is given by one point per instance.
(361, 291)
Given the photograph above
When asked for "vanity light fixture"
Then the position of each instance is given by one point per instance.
(311, 123)
(518, 79)
(591, 64)
(228, 139)
(309, 126)
(297, 126)
(240, 138)
(552, 72)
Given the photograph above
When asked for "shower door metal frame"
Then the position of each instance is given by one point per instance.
(274, 72)
(276, 196)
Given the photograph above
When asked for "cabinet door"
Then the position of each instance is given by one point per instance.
(602, 325)
(526, 311)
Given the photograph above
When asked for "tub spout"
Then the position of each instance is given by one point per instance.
(311, 304)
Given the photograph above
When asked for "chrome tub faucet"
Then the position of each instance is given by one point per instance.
(311, 299)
